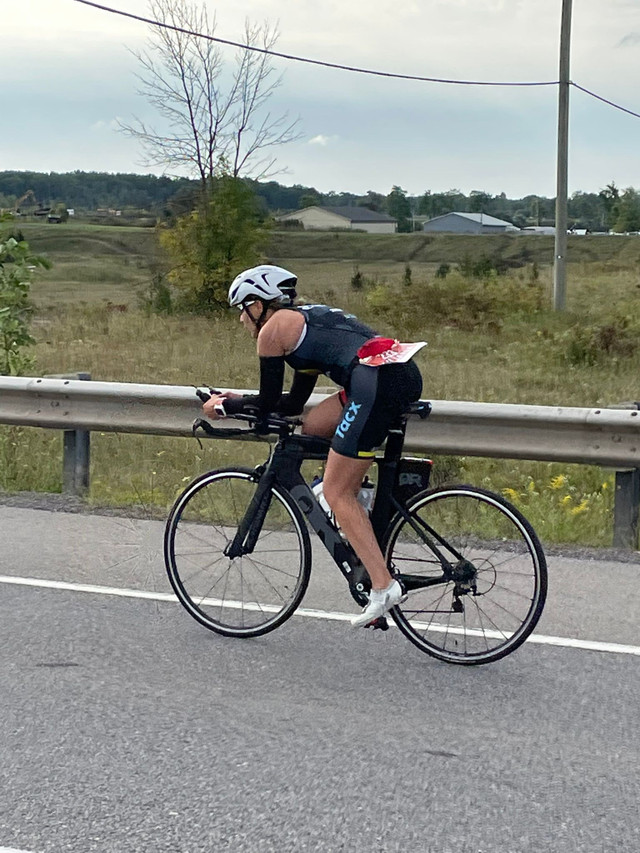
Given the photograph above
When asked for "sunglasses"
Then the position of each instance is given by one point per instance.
(246, 304)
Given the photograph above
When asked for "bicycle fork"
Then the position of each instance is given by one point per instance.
(249, 528)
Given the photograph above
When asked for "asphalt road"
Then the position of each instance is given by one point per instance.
(127, 727)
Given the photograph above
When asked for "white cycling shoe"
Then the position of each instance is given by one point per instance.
(380, 602)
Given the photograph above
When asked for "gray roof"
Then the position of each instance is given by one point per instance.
(359, 214)
(481, 218)
(353, 214)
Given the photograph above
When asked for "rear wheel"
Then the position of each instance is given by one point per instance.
(251, 594)
(491, 596)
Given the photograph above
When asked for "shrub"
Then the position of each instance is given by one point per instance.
(357, 279)
(458, 301)
(209, 246)
(614, 337)
(479, 268)
(156, 297)
(16, 270)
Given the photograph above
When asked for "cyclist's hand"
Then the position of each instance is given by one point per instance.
(214, 406)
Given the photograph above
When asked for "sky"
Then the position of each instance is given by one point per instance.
(69, 77)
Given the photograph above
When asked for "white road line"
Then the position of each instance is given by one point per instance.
(12, 850)
(305, 612)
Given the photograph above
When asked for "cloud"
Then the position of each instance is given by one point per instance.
(629, 40)
(108, 124)
(321, 139)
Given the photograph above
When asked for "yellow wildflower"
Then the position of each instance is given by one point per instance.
(582, 507)
(558, 482)
(566, 500)
(511, 495)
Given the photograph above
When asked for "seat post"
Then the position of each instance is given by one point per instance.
(388, 476)
(395, 439)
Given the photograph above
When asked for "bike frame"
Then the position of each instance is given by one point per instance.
(283, 468)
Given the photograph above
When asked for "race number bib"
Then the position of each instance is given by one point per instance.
(380, 351)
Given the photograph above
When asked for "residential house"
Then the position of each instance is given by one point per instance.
(350, 218)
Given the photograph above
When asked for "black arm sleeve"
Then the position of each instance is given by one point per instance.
(271, 379)
(301, 388)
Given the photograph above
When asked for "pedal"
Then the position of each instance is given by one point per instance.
(379, 624)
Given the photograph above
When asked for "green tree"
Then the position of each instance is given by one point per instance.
(374, 201)
(425, 205)
(627, 212)
(209, 246)
(16, 270)
(586, 211)
(478, 201)
(310, 199)
(398, 206)
(61, 211)
(609, 197)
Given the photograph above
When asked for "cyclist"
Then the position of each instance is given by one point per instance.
(378, 381)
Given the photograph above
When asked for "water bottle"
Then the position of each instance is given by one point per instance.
(316, 488)
(365, 495)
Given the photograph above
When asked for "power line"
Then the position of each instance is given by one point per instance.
(605, 100)
(320, 62)
(350, 68)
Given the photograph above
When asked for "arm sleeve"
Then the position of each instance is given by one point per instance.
(301, 388)
(271, 379)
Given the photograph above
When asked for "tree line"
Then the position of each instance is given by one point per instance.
(163, 197)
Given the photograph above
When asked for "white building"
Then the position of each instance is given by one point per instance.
(469, 223)
(350, 218)
(549, 230)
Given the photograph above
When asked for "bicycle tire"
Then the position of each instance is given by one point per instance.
(252, 594)
(510, 566)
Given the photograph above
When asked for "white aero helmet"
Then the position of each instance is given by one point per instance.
(265, 282)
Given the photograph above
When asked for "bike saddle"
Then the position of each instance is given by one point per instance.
(422, 408)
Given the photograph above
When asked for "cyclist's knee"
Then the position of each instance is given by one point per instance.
(336, 494)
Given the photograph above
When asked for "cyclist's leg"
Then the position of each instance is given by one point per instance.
(374, 400)
(342, 479)
(323, 419)
(369, 410)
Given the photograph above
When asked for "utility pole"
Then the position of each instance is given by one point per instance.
(560, 261)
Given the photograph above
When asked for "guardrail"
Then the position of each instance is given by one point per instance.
(607, 437)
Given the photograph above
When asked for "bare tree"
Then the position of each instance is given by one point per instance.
(214, 120)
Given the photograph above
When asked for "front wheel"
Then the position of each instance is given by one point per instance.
(488, 597)
(250, 594)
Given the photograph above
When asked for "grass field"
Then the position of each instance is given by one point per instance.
(88, 320)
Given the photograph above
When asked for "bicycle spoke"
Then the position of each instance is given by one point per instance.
(498, 579)
(258, 589)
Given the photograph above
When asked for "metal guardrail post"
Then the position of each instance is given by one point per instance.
(626, 510)
(76, 451)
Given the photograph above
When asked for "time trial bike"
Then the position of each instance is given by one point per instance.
(238, 552)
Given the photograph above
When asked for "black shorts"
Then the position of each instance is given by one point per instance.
(376, 396)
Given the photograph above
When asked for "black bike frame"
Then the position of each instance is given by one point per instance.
(283, 468)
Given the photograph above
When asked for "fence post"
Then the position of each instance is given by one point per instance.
(626, 511)
(76, 451)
